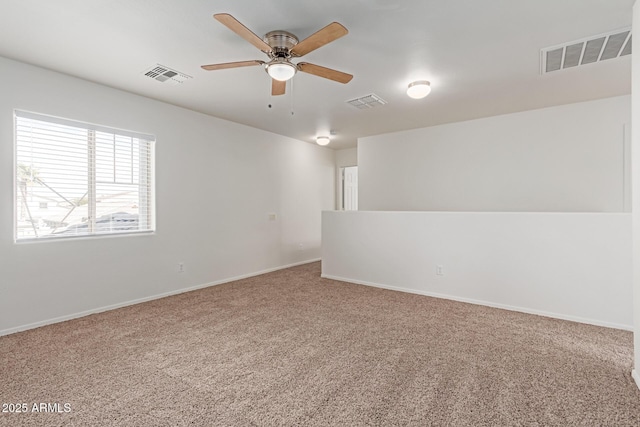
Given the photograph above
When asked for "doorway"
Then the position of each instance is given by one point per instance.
(350, 188)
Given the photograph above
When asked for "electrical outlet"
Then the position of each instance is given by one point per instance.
(181, 267)
(439, 270)
(300, 246)
(272, 217)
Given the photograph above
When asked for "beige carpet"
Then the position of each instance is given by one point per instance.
(289, 348)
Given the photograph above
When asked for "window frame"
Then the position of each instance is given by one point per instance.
(146, 141)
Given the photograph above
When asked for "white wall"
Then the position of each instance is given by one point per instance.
(635, 84)
(216, 182)
(347, 157)
(574, 266)
(560, 159)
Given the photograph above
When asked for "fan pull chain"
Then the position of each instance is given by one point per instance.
(291, 96)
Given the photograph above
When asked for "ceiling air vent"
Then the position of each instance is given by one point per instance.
(166, 75)
(367, 101)
(586, 51)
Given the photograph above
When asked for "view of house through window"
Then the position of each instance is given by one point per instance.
(77, 179)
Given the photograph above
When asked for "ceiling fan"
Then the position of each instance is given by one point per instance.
(280, 46)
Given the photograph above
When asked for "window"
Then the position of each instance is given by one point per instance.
(76, 179)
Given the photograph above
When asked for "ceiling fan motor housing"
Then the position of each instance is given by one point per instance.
(281, 43)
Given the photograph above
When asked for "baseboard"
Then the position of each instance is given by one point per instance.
(145, 299)
(485, 303)
(636, 377)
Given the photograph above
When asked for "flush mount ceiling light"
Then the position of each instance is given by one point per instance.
(419, 89)
(322, 140)
(281, 70)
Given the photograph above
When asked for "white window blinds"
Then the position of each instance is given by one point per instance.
(77, 179)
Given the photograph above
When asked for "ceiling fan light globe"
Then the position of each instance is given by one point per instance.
(419, 89)
(281, 71)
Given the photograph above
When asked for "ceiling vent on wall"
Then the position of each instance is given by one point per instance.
(367, 101)
(166, 75)
(586, 51)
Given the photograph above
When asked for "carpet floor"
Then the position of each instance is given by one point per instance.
(289, 348)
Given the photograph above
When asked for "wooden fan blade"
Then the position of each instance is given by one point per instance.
(327, 73)
(318, 39)
(234, 25)
(278, 87)
(231, 65)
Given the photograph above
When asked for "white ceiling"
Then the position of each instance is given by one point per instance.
(482, 56)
